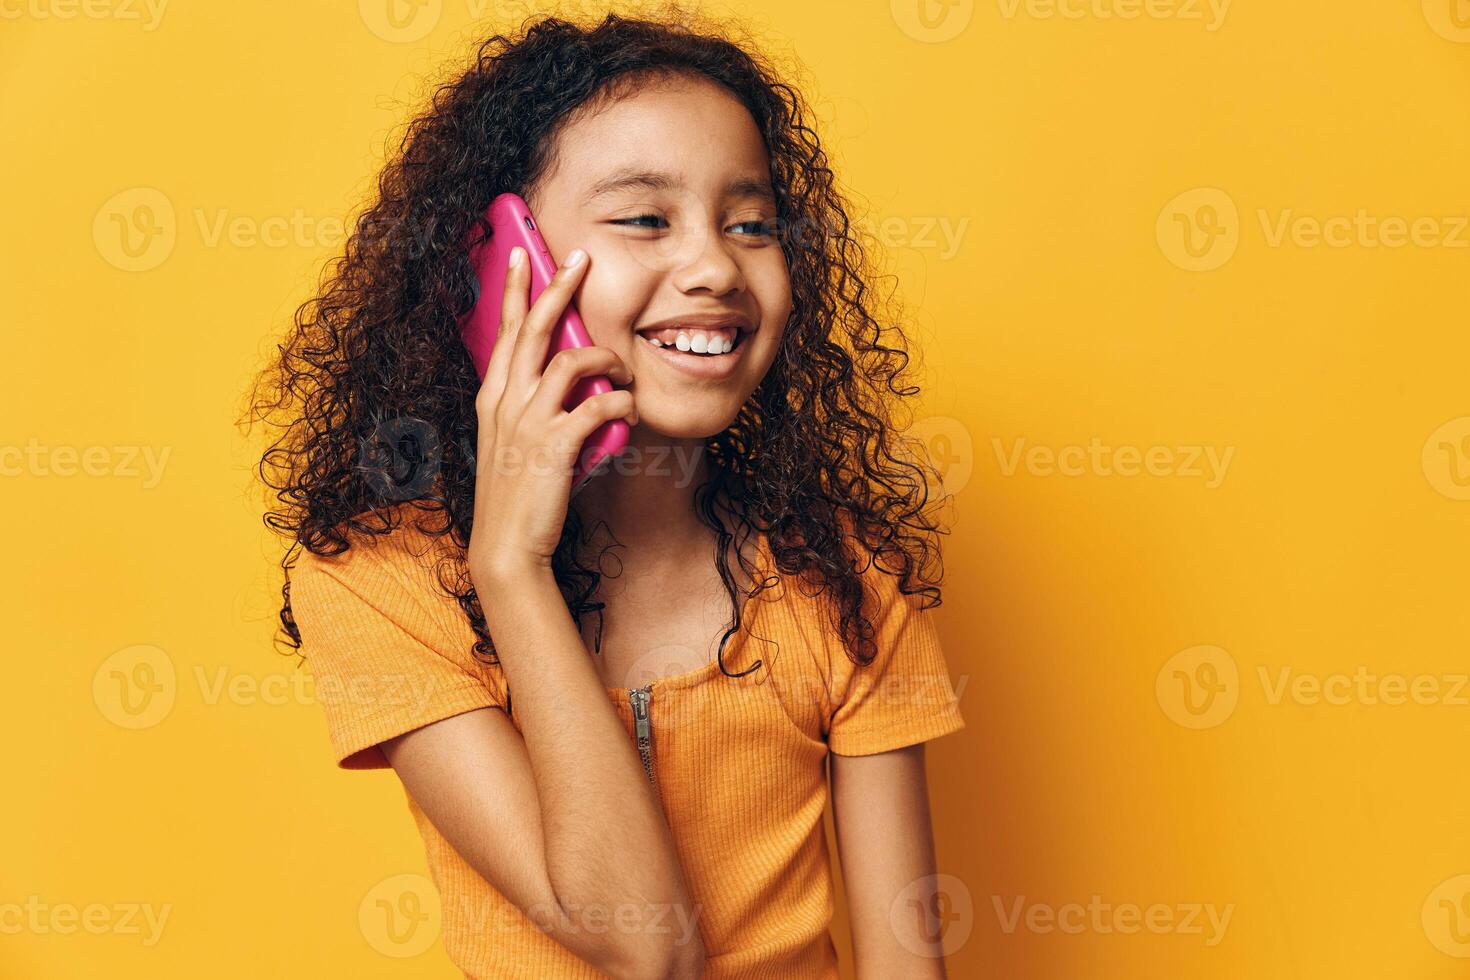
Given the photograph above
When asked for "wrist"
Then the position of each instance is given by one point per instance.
(505, 575)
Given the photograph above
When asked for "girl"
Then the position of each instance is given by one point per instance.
(649, 803)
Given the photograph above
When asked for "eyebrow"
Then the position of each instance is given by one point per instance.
(653, 180)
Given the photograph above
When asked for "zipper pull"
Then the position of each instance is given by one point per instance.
(638, 697)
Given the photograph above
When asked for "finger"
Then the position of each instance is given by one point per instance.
(532, 340)
(583, 420)
(513, 306)
(568, 367)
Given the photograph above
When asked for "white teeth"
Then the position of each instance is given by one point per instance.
(698, 344)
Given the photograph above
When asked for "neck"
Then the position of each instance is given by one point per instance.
(646, 497)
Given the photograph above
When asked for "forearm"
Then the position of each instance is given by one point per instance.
(608, 847)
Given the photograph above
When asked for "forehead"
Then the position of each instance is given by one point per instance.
(692, 130)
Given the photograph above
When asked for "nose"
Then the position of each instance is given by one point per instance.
(711, 267)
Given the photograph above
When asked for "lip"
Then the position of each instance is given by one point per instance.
(708, 321)
(709, 368)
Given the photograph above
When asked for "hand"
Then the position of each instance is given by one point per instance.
(527, 443)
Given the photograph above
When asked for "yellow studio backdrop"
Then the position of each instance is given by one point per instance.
(1190, 280)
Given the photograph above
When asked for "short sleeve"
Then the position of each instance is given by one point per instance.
(387, 649)
(904, 696)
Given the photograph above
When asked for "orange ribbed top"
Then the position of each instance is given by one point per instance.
(739, 763)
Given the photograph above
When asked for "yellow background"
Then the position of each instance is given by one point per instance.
(1066, 152)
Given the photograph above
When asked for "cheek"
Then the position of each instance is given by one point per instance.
(772, 287)
(609, 301)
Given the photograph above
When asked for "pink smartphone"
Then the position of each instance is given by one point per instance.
(511, 224)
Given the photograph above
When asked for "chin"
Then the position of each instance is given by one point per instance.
(685, 421)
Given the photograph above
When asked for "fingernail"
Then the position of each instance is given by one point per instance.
(575, 259)
(516, 255)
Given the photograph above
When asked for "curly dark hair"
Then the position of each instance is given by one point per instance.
(815, 456)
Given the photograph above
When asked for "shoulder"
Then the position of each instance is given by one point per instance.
(396, 541)
(394, 563)
(903, 694)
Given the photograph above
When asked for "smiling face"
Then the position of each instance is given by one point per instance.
(668, 190)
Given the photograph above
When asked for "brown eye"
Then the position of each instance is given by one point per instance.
(759, 229)
(641, 217)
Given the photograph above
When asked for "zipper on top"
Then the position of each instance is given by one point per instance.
(638, 697)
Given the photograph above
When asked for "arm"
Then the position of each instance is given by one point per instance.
(564, 819)
(885, 843)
